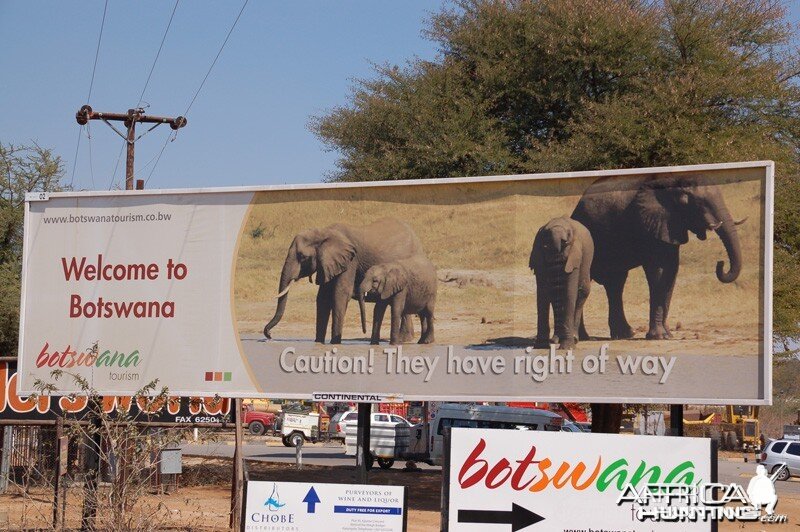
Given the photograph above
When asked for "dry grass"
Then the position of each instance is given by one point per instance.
(490, 227)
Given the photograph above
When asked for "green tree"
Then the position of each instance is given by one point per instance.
(22, 169)
(567, 85)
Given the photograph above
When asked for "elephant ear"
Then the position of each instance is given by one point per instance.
(657, 210)
(393, 282)
(334, 255)
(574, 256)
(536, 252)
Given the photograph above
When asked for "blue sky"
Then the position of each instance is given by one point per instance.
(285, 62)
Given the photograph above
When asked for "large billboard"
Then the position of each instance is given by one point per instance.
(640, 285)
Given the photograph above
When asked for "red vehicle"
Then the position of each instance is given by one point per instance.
(258, 423)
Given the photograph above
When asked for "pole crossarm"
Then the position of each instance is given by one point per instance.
(86, 113)
(129, 119)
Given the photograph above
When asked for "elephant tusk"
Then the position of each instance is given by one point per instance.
(740, 222)
(285, 290)
(715, 226)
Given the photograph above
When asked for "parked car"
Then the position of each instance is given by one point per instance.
(336, 428)
(351, 416)
(571, 426)
(259, 423)
(390, 437)
(486, 417)
(782, 452)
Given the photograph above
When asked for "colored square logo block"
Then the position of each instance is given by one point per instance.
(227, 376)
(218, 376)
(209, 376)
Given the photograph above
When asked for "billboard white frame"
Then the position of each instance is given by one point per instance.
(768, 166)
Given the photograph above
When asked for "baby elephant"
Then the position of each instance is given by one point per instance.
(408, 286)
(561, 259)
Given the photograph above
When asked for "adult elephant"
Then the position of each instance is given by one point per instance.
(643, 223)
(340, 254)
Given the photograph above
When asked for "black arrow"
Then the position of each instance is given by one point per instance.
(518, 517)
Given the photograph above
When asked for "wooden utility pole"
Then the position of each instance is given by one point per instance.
(129, 119)
(92, 451)
(59, 495)
(237, 480)
(364, 430)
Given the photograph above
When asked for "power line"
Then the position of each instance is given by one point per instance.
(214, 62)
(170, 138)
(75, 159)
(89, 96)
(91, 163)
(197, 92)
(97, 52)
(144, 89)
(163, 38)
(116, 166)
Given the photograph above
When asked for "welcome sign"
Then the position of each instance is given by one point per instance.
(590, 286)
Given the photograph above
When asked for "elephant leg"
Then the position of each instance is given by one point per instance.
(396, 308)
(377, 321)
(426, 320)
(661, 273)
(566, 330)
(542, 314)
(430, 336)
(324, 305)
(407, 329)
(583, 293)
(582, 333)
(342, 293)
(670, 286)
(617, 322)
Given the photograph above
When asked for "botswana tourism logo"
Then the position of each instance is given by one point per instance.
(93, 357)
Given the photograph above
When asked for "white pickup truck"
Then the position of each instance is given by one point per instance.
(296, 428)
(390, 438)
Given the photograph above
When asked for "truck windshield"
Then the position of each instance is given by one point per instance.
(484, 424)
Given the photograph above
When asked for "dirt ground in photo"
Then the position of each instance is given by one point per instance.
(202, 501)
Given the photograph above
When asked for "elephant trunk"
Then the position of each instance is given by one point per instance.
(290, 273)
(730, 239)
(363, 309)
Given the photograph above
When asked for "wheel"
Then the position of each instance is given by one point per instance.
(784, 474)
(256, 428)
(285, 440)
(385, 463)
(295, 439)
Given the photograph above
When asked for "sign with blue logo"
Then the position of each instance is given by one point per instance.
(300, 506)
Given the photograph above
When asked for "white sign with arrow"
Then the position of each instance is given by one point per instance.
(510, 480)
(306, 506)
